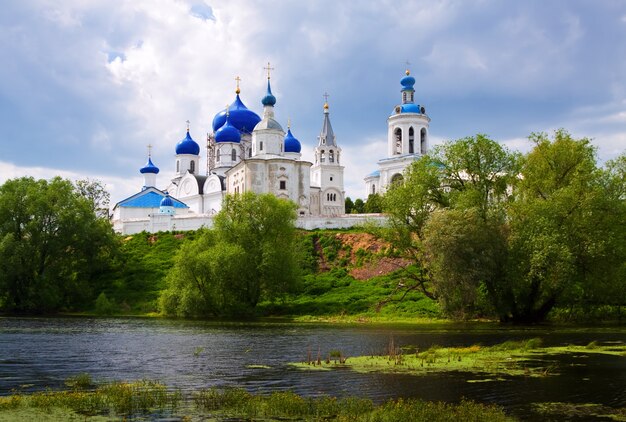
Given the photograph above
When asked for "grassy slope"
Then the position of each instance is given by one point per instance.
(328, 291)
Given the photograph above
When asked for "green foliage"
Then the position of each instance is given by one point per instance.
(349, 205)
(104, 306)
(52, 246)
(359, 206)
(374, 203)
(500, 234)
(251, 254)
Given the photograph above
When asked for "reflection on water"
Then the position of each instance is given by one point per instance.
(42, 352)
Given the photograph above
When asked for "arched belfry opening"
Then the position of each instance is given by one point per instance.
(411, 141)
(423, 145)
(398, 146)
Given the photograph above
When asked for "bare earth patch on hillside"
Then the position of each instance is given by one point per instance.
(373, 266)
(378, 267)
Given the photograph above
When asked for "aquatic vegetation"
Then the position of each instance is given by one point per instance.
(149, 400)
(80, 381)
(580, 410)
(119, 398)
(237, 403)
(512, 358)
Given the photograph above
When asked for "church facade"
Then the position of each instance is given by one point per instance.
(251, 153)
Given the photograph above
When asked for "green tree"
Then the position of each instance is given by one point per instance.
(493, 232)
(51, 246)
(567, 229)
(455, 193)
(359, 206)
(349, 205)
(96, 192)
(250, 255)
(374, 203)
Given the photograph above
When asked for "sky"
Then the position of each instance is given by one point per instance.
(86, 85)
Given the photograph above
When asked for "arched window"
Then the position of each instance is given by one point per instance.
(331, 156)
(250, 153)
(404, 96)
(192, 166)
(411, 141)
(233, 155)
(373, 189)
(398, 134)
(423, 141)
(217, 158)
(177, 166)
(261, 145)
(322, 156)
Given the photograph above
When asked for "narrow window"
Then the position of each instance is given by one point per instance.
(411, 141)
(423, 141)
(373, 189)
(398, 134)
(233, 155)
(331, 156)
(250, 153)
(192, 166)
(218, 156)
(261, 145)
(281, 147)
(322, 156)
(331, 178)
(177, 166)
(404, 97)
(283, 185)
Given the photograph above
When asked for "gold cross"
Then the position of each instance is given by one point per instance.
(289, 123)
(238, 79)
(268, 68)
(326, 97)
(149, 150)
(188, 125)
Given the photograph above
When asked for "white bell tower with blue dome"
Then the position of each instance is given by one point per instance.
(407, 139)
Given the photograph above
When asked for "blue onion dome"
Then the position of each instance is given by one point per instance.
(228, 132)
(167, 201)
(407, 82)
(149, 168)
(187, 146)
(269, 99)
(240, 116)
(411, 108)
(291, 143)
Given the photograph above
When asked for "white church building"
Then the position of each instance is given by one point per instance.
(251, 153)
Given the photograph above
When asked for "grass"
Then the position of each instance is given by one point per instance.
(149, 400)
(513, 358)
(335, 296)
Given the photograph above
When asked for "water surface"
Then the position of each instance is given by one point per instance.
(36, 353)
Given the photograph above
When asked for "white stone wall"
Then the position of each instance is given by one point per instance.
(159, 222)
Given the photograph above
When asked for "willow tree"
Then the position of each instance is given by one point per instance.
(250, 255)
(52, 245)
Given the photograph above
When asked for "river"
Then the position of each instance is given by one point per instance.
(36, 353)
